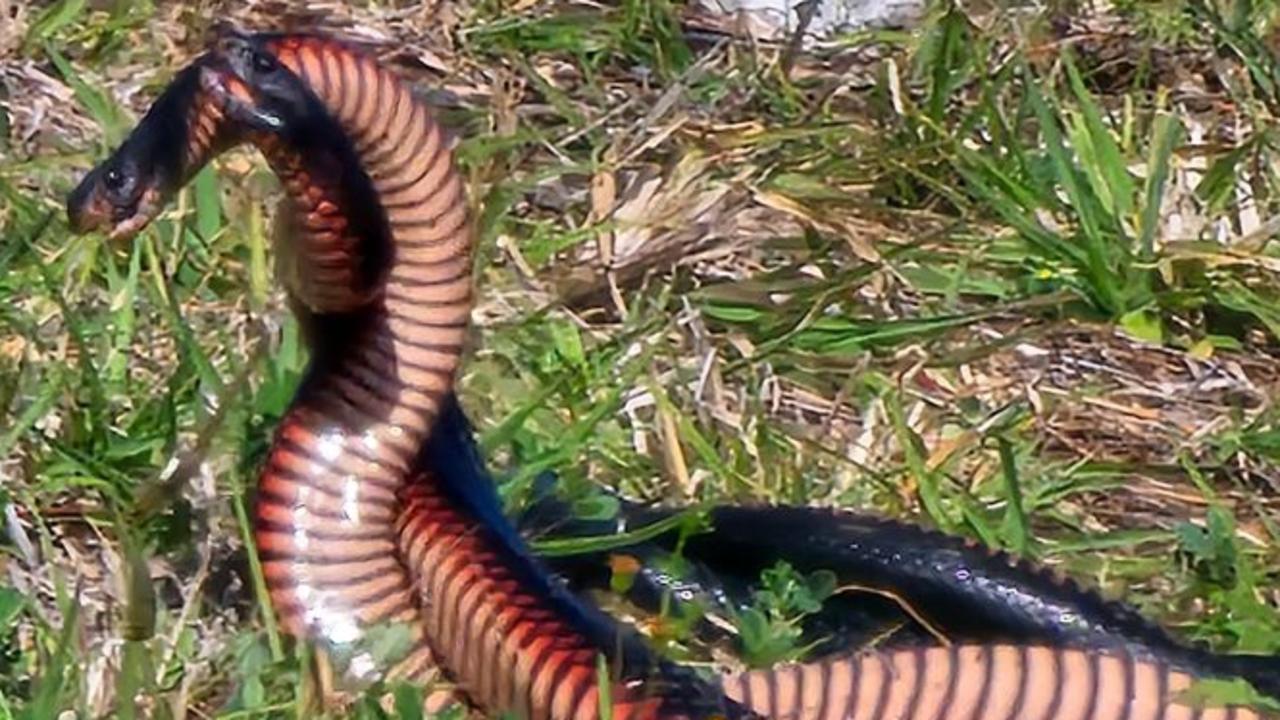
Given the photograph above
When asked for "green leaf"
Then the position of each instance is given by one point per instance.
(822, 585)
(1235, 295)
(506, 430)
(388, 644)
(806, 187)
(208, 203)
(12, 603)
(1015, 204)
(1211, 548)
(764, 643)
(946, 54)
(598, 506)
(252, 693)
(1143, 324)
(568, 343)
(573, 546)
(842, 335)
(1126, 539)
(1103, 282)
(48, 698)
(192, 352)
(409, 701)
(604, 684)
(124, 300)
(740, 314)
(252, 657)
(1218, 185)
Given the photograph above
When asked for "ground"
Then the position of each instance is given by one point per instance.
(1010, 273)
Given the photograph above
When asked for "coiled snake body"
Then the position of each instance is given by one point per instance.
(354, 530)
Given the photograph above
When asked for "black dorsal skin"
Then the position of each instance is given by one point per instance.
(720, 591)
(150, 159)
(963, 590)
(959, 586)
(455, 459)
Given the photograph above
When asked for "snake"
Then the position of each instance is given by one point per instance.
(954, 587)
(355, 528)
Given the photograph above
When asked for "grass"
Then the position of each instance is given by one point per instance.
(977, 275)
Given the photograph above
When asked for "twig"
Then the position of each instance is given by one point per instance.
(805, 10)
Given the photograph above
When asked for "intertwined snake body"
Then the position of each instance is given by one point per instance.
(354, 529)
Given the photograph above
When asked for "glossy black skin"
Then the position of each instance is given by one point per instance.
(963, 588)
(278, 93)
(964, 591)
(675, 585)
(149, 159)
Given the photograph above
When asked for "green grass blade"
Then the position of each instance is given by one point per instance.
(56, 677)
(1014, 204)
(99, 105)
(51, 386)
(259, 580)
(124, 303)
(191, 350)
(1110, 177)
(55, 17)
(1166, 133)
(559, 547)
(1015, 527)
(208, 201)
(1106, 287)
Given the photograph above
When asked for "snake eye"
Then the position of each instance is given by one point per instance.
(113, 179)
(263, 62)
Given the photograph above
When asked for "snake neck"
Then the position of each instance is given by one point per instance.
(380, 247)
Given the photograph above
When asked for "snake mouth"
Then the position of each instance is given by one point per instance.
(88, 210)
(223, 86)
(129, 220)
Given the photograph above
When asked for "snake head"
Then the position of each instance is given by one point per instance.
(237, 100)
(122, 194)
(125, 192)
(265, 94)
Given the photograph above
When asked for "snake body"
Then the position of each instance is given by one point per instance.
(354, 529)
(964, 591)
(974, 682)
(328, 494)
(489, 615)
